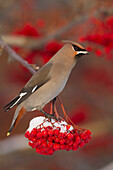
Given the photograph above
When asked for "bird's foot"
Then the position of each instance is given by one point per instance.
(52, 117)
(49, 116)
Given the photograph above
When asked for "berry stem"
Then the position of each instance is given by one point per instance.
(66, 116)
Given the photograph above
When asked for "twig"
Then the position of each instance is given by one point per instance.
(108, 166)
(16, 56)
(19, 143)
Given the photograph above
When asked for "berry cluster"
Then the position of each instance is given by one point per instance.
(102, 34)
(47, 137)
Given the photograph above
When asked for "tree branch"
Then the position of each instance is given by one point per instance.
(33, 43)
(16, 56)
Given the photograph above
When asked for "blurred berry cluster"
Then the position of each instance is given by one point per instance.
(102, 35)
(33, 55)
(46, 52)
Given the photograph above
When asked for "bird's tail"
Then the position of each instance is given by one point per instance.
(11, 104)
(19, 113)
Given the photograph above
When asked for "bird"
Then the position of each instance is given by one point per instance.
(47, 83)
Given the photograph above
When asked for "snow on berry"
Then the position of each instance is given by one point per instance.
(47, 136)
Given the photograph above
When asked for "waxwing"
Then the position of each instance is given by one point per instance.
(46, 84)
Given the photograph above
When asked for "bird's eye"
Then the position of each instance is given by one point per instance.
(76, 48)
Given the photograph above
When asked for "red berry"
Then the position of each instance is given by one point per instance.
(62, 141)
(56, 140)
(62, 147)
(61, 135)
(31, 144)
(50, 139)
(56, 146)
(78, 139)
(50, 144)
(45, 153)
(33, 139)
(44, 133)
(50, 152)
(39, 135)
(37, 150)
(81, 144)
(27, 134)
(42, 140)
(40, 152)
(70, 136)
(56, 132)
(34, 131)
(83, 136)
(75, 145)
(44, 144)
(70, 143)
(70, 147)
(88, 132)
(67, 148)
(38, 142)
(46, 149)
(50, 132)
(67, 141)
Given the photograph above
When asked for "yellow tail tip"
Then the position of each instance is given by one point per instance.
(8, 133)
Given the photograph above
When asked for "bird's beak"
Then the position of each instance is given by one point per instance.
(87, 52)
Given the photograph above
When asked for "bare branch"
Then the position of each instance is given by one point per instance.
(33, 43)
(16, 56)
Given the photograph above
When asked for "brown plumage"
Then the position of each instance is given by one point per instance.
(47, 82)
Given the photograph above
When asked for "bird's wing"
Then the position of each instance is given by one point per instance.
(36, 81)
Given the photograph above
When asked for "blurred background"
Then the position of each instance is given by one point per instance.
(35, 29)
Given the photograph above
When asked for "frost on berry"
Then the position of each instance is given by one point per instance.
(47, 136)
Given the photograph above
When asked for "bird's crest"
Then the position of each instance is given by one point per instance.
(73, 43)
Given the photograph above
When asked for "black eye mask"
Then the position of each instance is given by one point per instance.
(76, 48)
(79, 55)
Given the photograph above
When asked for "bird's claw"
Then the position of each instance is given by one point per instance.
(49, 116)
